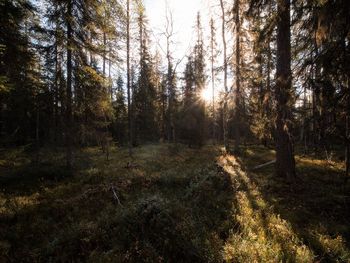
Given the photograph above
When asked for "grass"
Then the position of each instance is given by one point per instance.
(175, 205)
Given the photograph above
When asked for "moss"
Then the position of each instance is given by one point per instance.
(176, 205)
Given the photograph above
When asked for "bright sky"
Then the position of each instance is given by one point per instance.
(184, 18)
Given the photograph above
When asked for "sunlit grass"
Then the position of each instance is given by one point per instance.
(262, 235)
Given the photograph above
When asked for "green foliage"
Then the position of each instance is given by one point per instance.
(20, 79)
(119, 125)
(192, 121)
(144, 98)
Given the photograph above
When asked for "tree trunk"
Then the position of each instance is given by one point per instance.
(37, 138)
(128, 74)
(224, 118)
(110, 82)
(104, 54)
(285, 162)
(56, 92)
(238, 84)
(212, 39)
(347, 133)
(267, 104)
(69, 141)
(171, 128)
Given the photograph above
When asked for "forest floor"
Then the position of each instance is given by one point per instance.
(172, 204)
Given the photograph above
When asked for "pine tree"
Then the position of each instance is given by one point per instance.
(285, 163)
(19, 73)
(120, 113)
(145, 95)
(213, 58)
(225, 68)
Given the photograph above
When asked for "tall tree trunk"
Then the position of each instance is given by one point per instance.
(171, 128)
(109, 73)
(128, 75)
(267, 94)
(267, 104)
(347, 127)
(238, 95)
(285, 162)
(225, 113)
(212, 39)
(56, 92)
(163, 133)
(69, 117)
(37, 138)
(347, 133)
(104, 54)
(303, 128)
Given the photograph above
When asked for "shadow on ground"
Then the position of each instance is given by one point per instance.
(172, 209)
(316, 209)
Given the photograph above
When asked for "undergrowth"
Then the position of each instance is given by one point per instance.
(170, 204)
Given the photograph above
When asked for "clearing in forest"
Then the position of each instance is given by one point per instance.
(173, 204)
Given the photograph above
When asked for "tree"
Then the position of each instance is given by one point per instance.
(213, 57)
(238, 95)
(225, 109)
(120, 113)
(199, 82)
(69, 117)
(170, 78)
(19, 73)
(145, 93)
(128, 75)
(285, 163)
(259, 71)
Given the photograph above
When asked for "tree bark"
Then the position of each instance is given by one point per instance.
(347, 133)
(285, 162)
(69, 118)
(56, 90)
(224, 124)
(238, 83)
(212, 39)
(128, 75)
(104, 54)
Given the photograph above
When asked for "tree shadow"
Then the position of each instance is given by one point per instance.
(183, 218)
(32, 177)
(258, 220)
(318, 212)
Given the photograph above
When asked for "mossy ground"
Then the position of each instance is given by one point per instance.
(176, 205)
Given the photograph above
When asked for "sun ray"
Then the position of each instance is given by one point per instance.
(207, 94)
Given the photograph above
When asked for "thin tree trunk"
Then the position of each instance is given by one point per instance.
(285, 162)
(347, 133)
(128, 75)
(104, 54)
(225, 113)
(56, 92)
(163, 114)
(212, 36)
(268, 82)
(238, 96)
(346, 48)
(37, 138)
(171, 128)
(69, 141)
(267, 94)
(109, 73)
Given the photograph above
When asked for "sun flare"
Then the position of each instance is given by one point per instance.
(207, 95)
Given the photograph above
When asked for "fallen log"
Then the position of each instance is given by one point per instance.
(264, 164)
